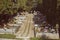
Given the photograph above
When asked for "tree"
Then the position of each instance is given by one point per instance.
(58, 19)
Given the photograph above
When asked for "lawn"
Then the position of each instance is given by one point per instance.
(42, 39)
(35, 39)
(9, 36)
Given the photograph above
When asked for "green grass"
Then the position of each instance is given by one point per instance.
(35, 39)
(9, 36)
(42, 39)
(19, 39)
(52, 39)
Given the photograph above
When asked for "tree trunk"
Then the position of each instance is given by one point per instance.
(59, 29)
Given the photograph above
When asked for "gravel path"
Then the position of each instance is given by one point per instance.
(26, 28)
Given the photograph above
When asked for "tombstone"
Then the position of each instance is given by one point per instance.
(57, 26)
